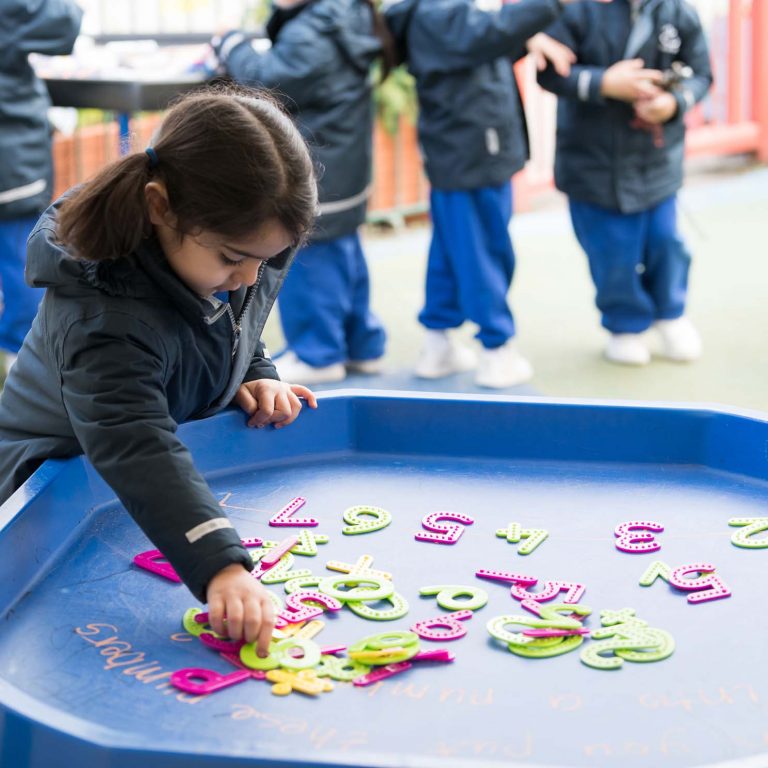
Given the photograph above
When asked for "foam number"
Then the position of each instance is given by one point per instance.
(301, 582)
(154, 561)
(751, 527)
(282, 653)
(305, 605)
(446, 627)
(365, 519)
(629, 540)
(304, 681)
(514, 532)
(284, 518)
(281, 572)
(506, 576)
(626, 638)
(365, 587)
(443, 533)
(361, 565)
(398, 608)
(448, 596)
(549, 591)
(381, 673)
(707, 586)
(385, 648)
(344, 670)
(200, 682)
(549, 620)
(306, 544)
(656, 570)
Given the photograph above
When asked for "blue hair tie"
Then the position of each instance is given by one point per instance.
(152, 155)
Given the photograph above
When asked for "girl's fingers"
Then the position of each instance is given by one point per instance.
(216, 616)
(234, 629)
(301, 391)
(246, 400)
(252, 620)
(267, 626)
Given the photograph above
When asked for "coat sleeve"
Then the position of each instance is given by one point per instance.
(462, 36)
(695, 53)
(112, 388)
(49, 27)
(261, 366)
(294, 67)
(584, 82)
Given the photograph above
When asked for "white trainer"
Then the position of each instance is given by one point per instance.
(8, 360)
(627, 349)
(368, 367)
(295, 371)
(503, 367)
(680, 341)
(441, 356)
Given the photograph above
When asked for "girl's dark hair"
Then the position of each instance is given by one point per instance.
(389, 55)
(231, 161)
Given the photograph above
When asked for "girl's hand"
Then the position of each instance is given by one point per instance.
(545, 49)
(268, 401)
(239, 608)
(657, 110)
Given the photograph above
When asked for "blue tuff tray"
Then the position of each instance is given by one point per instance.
(89, 641)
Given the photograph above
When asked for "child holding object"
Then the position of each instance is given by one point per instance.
(472, 134)
(320, 64)
(641, 65)
(159, 275)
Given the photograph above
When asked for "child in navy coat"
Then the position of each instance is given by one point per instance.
(641, 65)
(473, 138)
(319, 64)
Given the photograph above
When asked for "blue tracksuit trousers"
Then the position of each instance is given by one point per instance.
(639, 263)
(20, 302)
(471, 263)
(324, 305)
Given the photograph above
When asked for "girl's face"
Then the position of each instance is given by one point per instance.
(209, 263)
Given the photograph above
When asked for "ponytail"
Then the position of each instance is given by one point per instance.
(107, 217)
(230, 159)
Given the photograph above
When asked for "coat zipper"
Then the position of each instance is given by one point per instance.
(237, 322)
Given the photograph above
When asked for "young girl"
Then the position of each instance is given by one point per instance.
(620, 135)
(320, 62)
(159, 275)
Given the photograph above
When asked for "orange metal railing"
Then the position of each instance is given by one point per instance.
(732, 120)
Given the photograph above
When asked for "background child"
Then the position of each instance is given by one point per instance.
(131, 339)
(26, 168)
(472, 134)
(619, 159)
(320, 61)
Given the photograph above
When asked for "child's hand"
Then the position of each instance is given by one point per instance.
(545, 49)
(657, 110)
(268, 401)
(239, 607)
(628, 80)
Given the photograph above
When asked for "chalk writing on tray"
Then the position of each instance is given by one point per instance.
(120, 656)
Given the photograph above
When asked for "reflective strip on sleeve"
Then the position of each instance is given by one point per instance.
(583, 83)
(20, 193)
(197, 533)
(337, 206)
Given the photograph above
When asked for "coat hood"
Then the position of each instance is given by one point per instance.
(348, 22)
(144, 274)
